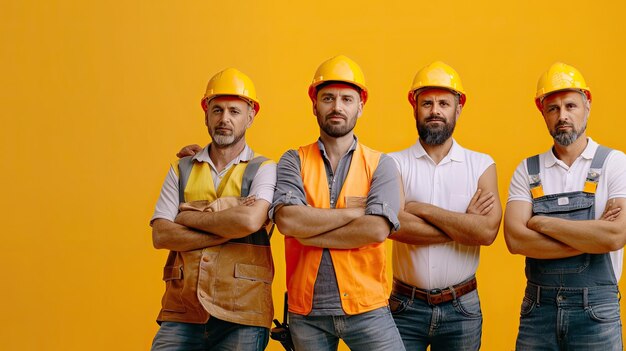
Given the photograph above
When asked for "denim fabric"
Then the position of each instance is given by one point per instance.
(570, 319)
(453, 325)
(369, 331)
(584, 270)
(215, 335)
(570, 303)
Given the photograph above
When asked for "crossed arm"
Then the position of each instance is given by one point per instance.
(199, 228)
(422, 223)
(340, 228)
(548, 237)
(344, 228)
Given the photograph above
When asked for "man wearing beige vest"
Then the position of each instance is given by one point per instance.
(212, 216)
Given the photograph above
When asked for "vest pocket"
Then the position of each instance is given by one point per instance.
(253, 286)
(569, 265)
(173, 299)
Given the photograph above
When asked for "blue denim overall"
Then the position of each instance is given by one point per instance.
(570, 303)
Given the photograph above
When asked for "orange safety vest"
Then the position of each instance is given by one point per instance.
(360, 272)
(231, 281)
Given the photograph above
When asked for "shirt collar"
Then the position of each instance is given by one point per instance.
(456, 153)
(320, 145)
(587, 154)
(246, 155)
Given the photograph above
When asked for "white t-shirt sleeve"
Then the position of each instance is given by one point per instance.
(264, 183)
(167, 205)
(519, 189)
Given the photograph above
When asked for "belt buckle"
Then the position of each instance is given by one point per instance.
(432, 295)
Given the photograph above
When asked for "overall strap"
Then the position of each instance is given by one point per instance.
(593, 176)
(184, 170)
(532, 165)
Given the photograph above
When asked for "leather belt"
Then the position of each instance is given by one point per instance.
(435, 296)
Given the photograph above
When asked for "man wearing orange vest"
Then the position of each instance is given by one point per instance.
(565, 214)
(452, 208)
(211, 215)
(336, 201)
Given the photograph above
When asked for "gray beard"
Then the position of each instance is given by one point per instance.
(567, 138)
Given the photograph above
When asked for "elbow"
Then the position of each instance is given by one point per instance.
(485, 241)
(251, 225)
(157, 240)
(488, 237)
(381, 232)
(284, 225)
(512, 244)
(615, 244)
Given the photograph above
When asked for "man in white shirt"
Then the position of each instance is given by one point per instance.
(452, 208)
(564, 214)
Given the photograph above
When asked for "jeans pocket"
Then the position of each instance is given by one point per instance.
(397, 304)
(468, 305)
(604, 313)
(528, 305)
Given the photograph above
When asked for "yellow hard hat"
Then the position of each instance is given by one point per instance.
(558, 77)
(437, 75)
(339, 69)
(231, 82)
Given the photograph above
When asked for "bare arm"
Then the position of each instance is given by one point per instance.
(524, 241)
(479, 225)
(230, 223)
(365, 230)
(590, 236)
(169, 235)
(414, 230)
(302, 221)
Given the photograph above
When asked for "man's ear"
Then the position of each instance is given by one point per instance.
(251, 115)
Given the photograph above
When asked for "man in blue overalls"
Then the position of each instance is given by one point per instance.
(564, 213)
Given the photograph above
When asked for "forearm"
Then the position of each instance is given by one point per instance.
(414, 230)
(360, 232)
(302, 221)
(530, 243)
(524, 241)
(171, 236)
(231, 223)
(590, 236)
(465, 228)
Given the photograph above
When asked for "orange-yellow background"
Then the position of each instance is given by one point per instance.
(96, 97)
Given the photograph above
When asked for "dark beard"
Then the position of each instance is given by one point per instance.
(337, 131)
(435, 135)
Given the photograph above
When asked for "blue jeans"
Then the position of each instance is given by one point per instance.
(369, 331)
(215, 335)
(453, 325)
(570, 319)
